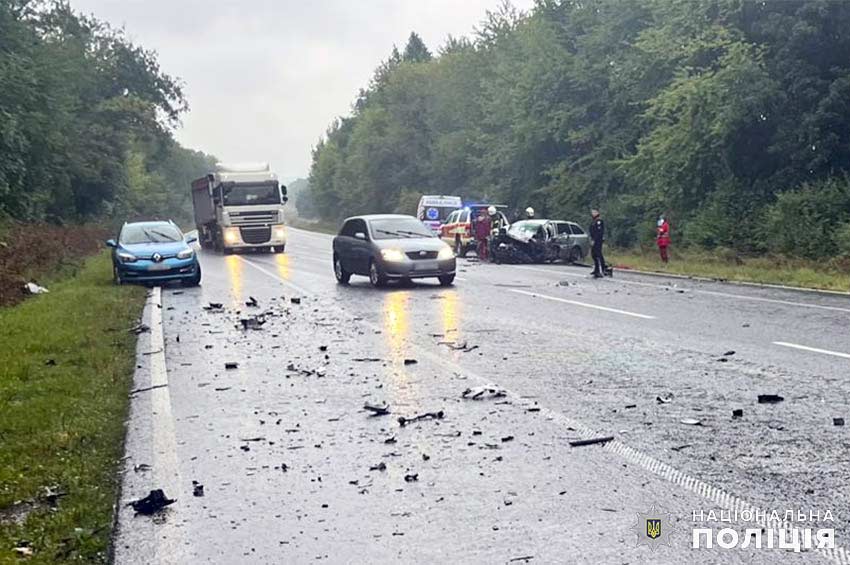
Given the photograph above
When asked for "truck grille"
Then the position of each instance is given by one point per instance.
(253, 218)
(417, 255)
(256, 234)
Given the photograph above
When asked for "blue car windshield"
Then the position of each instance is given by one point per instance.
(149, 233)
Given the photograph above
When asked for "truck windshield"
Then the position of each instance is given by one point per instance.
(250, 194)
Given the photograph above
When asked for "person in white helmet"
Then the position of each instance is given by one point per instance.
(529, 213)
(496, 224)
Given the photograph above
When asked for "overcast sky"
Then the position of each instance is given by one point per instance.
(264, 78)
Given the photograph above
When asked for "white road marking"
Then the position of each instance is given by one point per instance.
(812, 349)
(273, 275)
(663, 470)
(582, 304)
(695, 291)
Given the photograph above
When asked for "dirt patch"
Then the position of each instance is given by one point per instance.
(29, 252)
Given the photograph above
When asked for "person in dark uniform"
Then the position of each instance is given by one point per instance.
(597, 236)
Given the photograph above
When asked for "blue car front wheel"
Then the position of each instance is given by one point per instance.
(116, 276)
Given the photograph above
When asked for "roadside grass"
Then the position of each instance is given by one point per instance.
(728, 266)
(66, 365)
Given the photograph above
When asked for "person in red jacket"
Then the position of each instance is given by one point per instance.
(482, 234)
(663, 238)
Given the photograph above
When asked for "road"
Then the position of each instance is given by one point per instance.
(284, 448)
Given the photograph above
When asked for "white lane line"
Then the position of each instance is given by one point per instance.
(697, 291)
(657, 467)
(582, 304)
(812, 349)
(274, 276)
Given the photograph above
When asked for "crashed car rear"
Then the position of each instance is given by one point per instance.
(541, 241)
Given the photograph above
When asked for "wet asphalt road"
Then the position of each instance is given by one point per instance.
(284, 448)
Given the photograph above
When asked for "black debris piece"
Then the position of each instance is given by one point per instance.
(729, 354)
(410, 361)
(664, 399)
(366, 359)
(483, 392)
(770, 398)
(462, 346)
(377, 410)
(411, 477)
(379, 467)
(139, 329)
(439, 415)
(231, 365)
(425, 457)
(251, 302)
(214, 306)
(197, 489)
(284, 467)
(838, 421)
(253, 322)
(323, 348)
(630, 406)
(723, 360)
(591, 441)
(50, 362)
(507, 439)
(390, 440)
(295, 300)
(152, 503)
(738, 413)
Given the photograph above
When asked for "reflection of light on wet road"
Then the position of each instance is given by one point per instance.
(282, 262)
(396, 322)
(234, 271)
(449, 314)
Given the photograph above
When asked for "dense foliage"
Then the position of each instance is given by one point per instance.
(730, 116)
(85, 121)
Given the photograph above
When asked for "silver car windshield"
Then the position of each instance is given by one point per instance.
(395, 228)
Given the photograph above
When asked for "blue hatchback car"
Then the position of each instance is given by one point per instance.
(153, 253)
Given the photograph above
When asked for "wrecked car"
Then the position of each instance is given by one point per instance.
(541, 241)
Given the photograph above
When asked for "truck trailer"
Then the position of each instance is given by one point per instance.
(240, 207)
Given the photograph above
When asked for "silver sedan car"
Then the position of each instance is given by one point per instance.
(387, 247)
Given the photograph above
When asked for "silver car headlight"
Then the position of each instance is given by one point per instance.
(125, 257)
(392, 255)
(185, 254)
(445, 253)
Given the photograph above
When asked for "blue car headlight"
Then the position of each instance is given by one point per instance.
(125, 257)
(186, 254)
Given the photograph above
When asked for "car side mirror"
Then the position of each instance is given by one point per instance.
(191, 238)
(360, 235)
(111, 243)
(285, 199)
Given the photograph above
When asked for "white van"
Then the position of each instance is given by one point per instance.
(433, 210)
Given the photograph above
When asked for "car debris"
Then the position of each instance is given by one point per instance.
(410, 361)
(197, 489)
(729, 353)
(231, 365)
(251, 302)
(214, 306)
(769, 398)
(411, 477)
(295, 300)
(139, 329)
(481, 392)
(32, 288)
(591, 441)
(458, 346)
(152, 503)
(738, 413)
(253, 322)
(690, 422)
(377, 409)
(507, 439)
(23, 550)
(664, 399)
(367, 359)
(838, 421)
(379, 467)
(439, 415)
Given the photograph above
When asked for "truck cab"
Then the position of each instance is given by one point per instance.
(240, 207)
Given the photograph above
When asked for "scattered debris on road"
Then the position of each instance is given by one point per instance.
(439, 415)
(690, 422)
(152, 503)
(231, 365)
(214, 306)
(410, 361)
(591, 441)
(295, 300)
(481, 392)
(377, 409)
(664, 399)
(838, 421)
(770, 398)
(379, 467)
(253, 322)
(411, 477)
(197, 489)
(251, 302)
(507, 439)
(738, 413)
(147, 388)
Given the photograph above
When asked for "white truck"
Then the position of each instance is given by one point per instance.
(240, 207)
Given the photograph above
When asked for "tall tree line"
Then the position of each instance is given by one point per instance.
(86, 120)
(732, 117)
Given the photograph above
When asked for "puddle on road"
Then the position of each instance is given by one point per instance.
(281, 261)
(235, 273)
